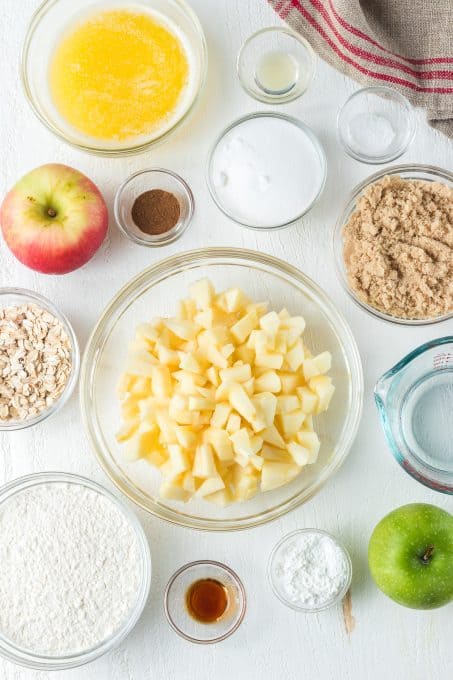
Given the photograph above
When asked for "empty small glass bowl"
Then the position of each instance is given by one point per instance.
(376, 125)
(275, 577)
(145, 180)
(178, 614)
(11, 297)
(415, 403)
(276, 65)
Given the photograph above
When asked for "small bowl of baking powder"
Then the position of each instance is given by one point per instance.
(309, 570)
(75, 571)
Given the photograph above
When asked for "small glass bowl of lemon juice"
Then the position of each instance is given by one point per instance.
(113, 78)
(275, 65)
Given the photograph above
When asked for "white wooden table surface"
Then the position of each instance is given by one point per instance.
(273, 643)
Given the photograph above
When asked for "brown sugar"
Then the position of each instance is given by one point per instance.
(398, 248)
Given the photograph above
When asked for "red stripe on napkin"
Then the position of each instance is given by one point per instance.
(386, 77)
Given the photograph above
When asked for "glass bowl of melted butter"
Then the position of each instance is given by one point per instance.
(113, 78)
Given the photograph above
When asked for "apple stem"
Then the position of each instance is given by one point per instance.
(51, 212)
(427, 554)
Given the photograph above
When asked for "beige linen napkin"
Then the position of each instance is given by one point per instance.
(405, 44)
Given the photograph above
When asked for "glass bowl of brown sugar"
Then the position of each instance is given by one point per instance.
(154, 207)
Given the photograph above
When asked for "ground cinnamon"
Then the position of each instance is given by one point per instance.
(156, 211)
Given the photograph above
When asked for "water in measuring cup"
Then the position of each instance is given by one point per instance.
(427, 420)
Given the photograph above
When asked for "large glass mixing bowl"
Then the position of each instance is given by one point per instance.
(155, 292)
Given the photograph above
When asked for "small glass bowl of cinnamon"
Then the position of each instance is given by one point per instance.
(205, 601)
(153, 207)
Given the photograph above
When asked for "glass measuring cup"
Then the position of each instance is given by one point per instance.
(415, 403)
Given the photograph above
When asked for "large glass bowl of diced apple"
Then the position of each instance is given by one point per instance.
(221, 388)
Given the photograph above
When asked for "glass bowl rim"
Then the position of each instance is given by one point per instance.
(341, 593)
(288, 119)
(172, 234)
(45, 303)
(348, 208)
(34, 22)
(28, 659)
(222, 567)
(177, 264)
(423, 472)
(290, 96)
(411, 125)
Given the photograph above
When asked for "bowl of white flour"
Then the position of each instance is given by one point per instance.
(75, 571)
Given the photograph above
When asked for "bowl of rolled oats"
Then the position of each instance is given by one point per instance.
(39, 358)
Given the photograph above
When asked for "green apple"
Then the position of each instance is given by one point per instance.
(410, 555)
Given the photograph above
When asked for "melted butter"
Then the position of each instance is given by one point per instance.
(119, 74)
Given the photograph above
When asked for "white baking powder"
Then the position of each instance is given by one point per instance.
(310, 569)
(70, 568)
(266, 171)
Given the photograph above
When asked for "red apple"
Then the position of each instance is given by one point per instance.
(54, 219)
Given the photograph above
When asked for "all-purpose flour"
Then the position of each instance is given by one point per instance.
(311, 569)
(70, 568)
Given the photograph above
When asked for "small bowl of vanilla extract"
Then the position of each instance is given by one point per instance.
(205, 601)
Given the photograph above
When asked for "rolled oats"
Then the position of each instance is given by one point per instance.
(35, 361)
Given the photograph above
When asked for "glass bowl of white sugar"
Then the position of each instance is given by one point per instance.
(309, 570)
(266, 170)
(75, 571)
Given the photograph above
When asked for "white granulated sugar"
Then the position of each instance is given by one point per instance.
(266, 172)
(311, 570)
(70, 568)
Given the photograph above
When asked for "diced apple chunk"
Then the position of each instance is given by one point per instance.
(220, 415)
(270, 323)
(242, 328)
(322, 386)
(287, 403)
(295, 357)
(310, 441)
(220, 442)
(202, 292)
(239, 374)
(241, 443)
(272, 436)
(265, 405)
(171, 491)
(186, 330)
(317, 365)
(299, 453)
(233, 423)
(179, 458)
(274, 474)
(204, 465)
(292, 422)
(240, 401)
(268, 382)
(269, 359)
(308, 400)
(210, 485)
